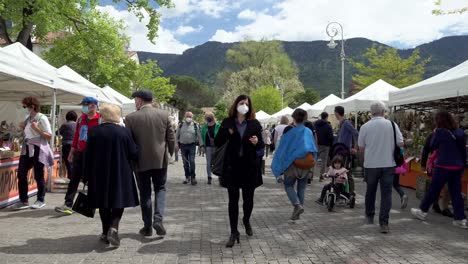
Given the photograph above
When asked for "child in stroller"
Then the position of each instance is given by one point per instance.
(337, 191)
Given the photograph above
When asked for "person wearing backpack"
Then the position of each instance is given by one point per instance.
(449, 143)
(88, 120)
(188, 137)
(209, 132)
(297, 143)
(35, 153)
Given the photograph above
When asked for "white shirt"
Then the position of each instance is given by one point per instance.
(279, 131)
(376, 137)
(43, 123)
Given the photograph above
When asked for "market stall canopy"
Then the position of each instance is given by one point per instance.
(305, 106)
(23, 73)
(275, 118)
(73, 79)
(452, 83)
(378, 91)
(319, 107)
(262, 117)
(128, 105)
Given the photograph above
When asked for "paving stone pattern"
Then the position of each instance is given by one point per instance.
(197, 226)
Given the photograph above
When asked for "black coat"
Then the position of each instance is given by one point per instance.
(324, 133)
(109, 151)
(241, 172)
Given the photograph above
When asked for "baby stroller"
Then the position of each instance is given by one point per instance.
(335, 196)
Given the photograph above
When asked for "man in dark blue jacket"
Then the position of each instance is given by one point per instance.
(324, 141)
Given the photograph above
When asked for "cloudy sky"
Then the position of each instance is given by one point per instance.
(400, 23)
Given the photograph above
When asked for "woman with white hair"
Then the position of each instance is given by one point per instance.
(111, 185)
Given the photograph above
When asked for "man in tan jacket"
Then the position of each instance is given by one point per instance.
(152, 131)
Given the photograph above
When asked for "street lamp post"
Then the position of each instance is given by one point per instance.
(333, 29)
(280, 88)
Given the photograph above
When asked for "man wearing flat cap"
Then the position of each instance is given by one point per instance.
(90, 118)
(153, 133)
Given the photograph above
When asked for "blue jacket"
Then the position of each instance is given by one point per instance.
(294, 145)
(452, 151)
(347, 133)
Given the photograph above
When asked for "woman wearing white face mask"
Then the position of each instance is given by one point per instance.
(241, 170)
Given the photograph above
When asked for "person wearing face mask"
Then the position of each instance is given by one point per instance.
(209, 132)
(35, 153)
(241, 170)
(153, 133)
(188, 137)
(89, 119)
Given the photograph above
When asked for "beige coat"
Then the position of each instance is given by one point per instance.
(152, 131)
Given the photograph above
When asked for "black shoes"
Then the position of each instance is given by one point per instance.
(209, 181)
(146, 231)
(369, 220)
(232, 240)
(103, 239)
(187, 181)
(447, 213)
(248, 228)
(194, 181)
(113, 237)
(384, 229)
(160, 230)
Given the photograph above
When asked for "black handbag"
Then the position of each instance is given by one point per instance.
(397, 155)
(81, 205)
(218, 159)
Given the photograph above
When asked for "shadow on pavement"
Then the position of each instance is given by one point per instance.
(29, 213)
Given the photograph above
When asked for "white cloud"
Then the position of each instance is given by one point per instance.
(212, 8)
(408, 22)
(184, 30)
(247, 14)
(165, 43)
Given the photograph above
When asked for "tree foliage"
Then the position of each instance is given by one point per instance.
(254, 65)
(148, 76)
(221, 111)
(36, 18)
(267, 99)
(309, 96)
(440, 12)
(385, 63)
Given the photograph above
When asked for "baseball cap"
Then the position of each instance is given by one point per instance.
(146, 95)
(89, 100)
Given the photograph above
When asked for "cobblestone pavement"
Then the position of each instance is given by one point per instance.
(197, 225)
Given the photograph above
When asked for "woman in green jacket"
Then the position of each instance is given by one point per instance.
(208, 133)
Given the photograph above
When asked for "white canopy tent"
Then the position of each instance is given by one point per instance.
(305, 106)
(361, 101)
(262, 117)
(319, 107)
(128, 105)
(275, 118)
(452, 83)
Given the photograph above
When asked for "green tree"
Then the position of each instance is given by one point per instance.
(147, 76)
(440, 12)
(221, 111)
(267, 99)
(257, 64)
(36, 18)
(309, 96)
(385, 63)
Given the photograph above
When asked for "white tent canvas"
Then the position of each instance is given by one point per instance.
(128, 105)
(448, 84)
(277, 116)
(319, 107)
(262, 116)
(378, 91)
(305, 106)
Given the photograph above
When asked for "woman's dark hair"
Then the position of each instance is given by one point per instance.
(299, 115)
(444, 119)
(337, 159)
(71, 116)
(33, 102)
(339, 110)
(233, 111)
(324, 115)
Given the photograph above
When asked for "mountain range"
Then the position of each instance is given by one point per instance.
(319, 66)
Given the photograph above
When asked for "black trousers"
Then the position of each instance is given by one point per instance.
(110, 218)
(65, 153)
(25, 164)
(233, 207)
(77, 175)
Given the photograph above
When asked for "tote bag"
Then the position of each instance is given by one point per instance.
(217, 161)
(81, 205)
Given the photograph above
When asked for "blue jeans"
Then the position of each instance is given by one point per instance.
(158, 177)
(188, 156)
(439, 179)
(209, 155)
(296, 198)
(385, 177)
(176, 156)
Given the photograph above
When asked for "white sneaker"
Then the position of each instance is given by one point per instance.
(461, 223)
(38, 205)
(416, 212)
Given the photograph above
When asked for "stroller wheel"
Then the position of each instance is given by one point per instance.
(352, 202)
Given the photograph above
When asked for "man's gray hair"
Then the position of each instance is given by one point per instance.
(378, 108)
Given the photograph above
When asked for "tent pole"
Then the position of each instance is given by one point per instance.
(52, 143)
(355, 120)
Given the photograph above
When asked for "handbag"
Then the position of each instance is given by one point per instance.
(397, 155)
(306, 163)
(81, 205)
(217, 161)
